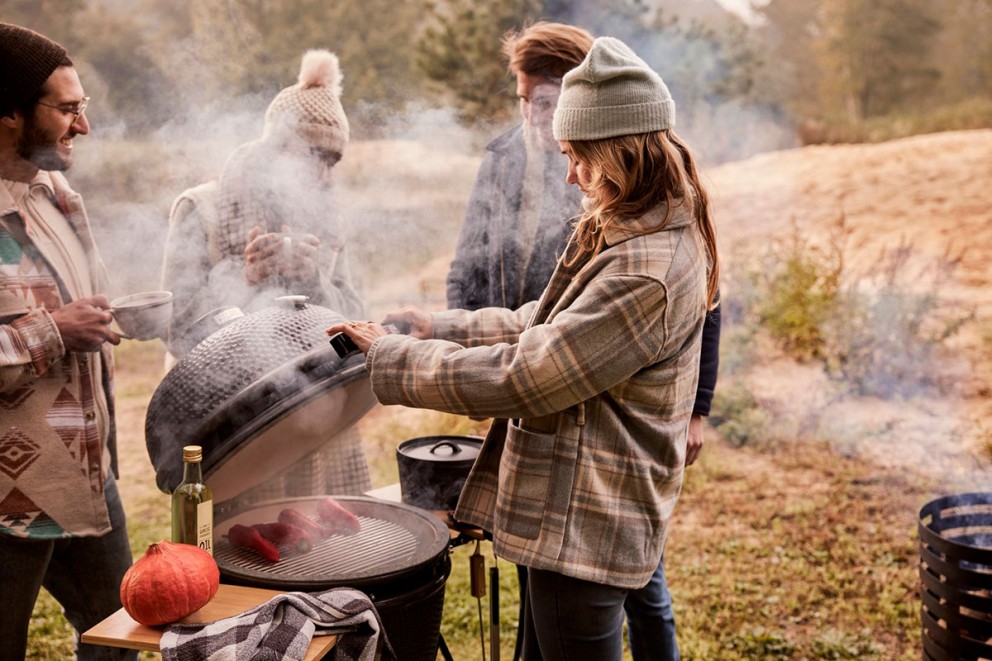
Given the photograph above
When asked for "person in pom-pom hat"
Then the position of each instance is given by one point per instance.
(591, 387)
(62, 524)
(269, 227)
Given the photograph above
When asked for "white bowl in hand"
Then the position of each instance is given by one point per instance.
(143, 316)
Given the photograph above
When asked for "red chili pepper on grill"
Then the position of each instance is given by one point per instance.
(284, 534)
(336, 517)
(295, 517)
(240, 535)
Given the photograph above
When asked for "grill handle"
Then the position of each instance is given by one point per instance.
(445, 444)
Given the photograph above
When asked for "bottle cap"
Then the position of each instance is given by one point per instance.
(192, 453)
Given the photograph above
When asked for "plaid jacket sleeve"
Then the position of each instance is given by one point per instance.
(481, 368)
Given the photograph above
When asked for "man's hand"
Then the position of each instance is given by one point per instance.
(292, 256)
(695, 442)
(85, 324)
(412, 321)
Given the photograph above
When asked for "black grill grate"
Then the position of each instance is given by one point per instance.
(395, 540)
(380, 545)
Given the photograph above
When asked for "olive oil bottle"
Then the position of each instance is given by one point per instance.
(193, 504)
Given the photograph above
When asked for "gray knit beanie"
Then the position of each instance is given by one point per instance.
(311, 109)
(611, 93)
(27, 59)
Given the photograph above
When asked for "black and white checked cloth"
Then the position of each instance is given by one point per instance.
(281, 629)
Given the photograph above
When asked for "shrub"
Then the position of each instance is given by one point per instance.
(799, 285)
(880, 331)
(884, 340)
(763, 644)
(737, 415)
(975, 113)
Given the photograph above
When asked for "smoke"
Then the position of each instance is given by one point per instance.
(402, 195)
(402, 198)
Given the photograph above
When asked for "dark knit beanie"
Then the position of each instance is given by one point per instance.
(27, 59)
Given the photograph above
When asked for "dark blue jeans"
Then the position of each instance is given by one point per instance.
(82, 573)
(651, 621)
(567, 619)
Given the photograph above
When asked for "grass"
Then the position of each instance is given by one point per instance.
(786, 552)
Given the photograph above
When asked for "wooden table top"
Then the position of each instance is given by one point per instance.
(119, 630)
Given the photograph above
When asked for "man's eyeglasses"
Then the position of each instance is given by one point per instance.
(76, 110)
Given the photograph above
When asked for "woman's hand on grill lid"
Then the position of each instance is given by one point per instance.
(362, 333)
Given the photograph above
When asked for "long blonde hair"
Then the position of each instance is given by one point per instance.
(633, 174)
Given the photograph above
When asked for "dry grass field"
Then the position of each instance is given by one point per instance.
(801, 545)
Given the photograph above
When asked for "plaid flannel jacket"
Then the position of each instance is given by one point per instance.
(592, 387)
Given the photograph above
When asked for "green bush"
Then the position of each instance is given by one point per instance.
(799, 285)
(879, 331)
(738, 415)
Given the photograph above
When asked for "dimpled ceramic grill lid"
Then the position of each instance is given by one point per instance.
(258, 395)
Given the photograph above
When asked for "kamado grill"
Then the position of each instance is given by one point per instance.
(399, 558)
(259, 394)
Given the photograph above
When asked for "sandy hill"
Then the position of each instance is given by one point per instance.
(930, 192)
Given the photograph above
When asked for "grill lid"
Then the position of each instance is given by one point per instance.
(395, 541)
(258, 395)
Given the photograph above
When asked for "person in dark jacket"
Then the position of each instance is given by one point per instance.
(518, 214)
(515, 226)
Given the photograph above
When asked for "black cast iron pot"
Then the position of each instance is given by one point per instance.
(433, 469)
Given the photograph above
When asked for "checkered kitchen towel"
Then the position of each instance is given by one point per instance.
(281, 629)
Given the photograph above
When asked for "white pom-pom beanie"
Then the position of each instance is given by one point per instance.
(611, 93)
(311, 109)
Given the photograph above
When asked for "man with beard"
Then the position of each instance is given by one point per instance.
(517, 222)
(61, 520)
(270, 227)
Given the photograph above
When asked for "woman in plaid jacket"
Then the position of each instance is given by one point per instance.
(592, 386)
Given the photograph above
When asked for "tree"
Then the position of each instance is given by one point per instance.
(789, 29)
(460, 48)
(459, 52)
(133, 87)
(875, 55)
(965, 47)
(56, 19)
(229, 48)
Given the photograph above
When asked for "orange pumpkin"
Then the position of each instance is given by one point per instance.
(169, 582)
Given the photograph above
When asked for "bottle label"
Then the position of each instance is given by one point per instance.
(205, 526)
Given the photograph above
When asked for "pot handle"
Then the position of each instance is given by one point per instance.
(454, 448)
